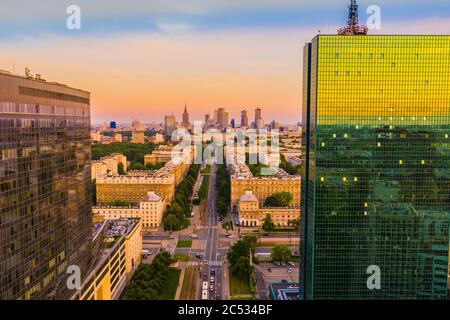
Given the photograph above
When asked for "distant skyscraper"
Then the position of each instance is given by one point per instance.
(274, 125)
(244, 118)
(138, 135)
(45, 188)
(376, 174)
(222, 118)
(112, 125)
(169, 124)
(207, 119)
(233, 124)
(185, 122)
(259, 122)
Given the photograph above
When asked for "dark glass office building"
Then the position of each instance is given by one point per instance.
(45, 187)
(376, 174)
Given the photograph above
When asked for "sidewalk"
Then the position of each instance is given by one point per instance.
(226, 282)
(182, 267)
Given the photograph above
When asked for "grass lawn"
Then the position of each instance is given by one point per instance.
(181, 257)
(184, 244)
(188, 290)
(170, 287)
(239, 287)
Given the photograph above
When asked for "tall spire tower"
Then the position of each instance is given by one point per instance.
(353, 27)
(185, 122)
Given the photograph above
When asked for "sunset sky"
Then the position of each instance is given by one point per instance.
(143, 59)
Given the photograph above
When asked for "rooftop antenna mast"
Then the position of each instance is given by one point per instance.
(353, 27)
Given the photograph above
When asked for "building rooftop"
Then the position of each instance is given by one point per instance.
(248, 197)
(284, 291)
(39, 79)
(153, 197)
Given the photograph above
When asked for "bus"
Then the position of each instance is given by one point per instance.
(204, 294)
(205, 285)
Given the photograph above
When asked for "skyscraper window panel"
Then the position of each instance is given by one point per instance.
(45, 189)
(385, 127)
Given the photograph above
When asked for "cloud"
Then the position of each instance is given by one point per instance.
(171, 28)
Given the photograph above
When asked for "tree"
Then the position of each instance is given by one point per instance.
(281, 253)
(120, 169)
(241, 267)
(239, 249)
(171, 222)
(278, 200)
(250, 240)
(118, 203)
(295, 224)
(268, 224)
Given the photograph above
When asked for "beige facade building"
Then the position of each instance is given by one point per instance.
(158, 138)
(118, 137)
(242, 180)
(138, 135)
(150, 212)
(162, 154)
(109, 164)
(119, 255)
(135, 186)
(252, 215)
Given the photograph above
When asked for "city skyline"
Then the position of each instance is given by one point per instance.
(164, 54)
(312, 161)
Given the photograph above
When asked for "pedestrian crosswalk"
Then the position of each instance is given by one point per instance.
(198, 263)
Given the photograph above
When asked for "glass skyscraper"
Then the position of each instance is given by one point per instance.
(45, 187)
(376, 174)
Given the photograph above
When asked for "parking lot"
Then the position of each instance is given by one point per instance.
(268, 272)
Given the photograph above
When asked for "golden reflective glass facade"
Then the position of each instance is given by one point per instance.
(45, 187)
(376, 175)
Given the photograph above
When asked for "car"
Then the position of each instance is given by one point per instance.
(291, 263)
(205, 276)
(213, 271)
(283, 263)
(193, 236)
(289, 270)
(212, 280)
(199, 256)
(229, 235)
(211, 288)
(277, 263)
(206, 262)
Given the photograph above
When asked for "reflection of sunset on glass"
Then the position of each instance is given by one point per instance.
(225, 156)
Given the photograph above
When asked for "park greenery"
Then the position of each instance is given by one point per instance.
(223, 187)
(281, 253)
(268, 224)
(154, 281)
(134, 152)
(120, 168)
(118, 203)
(295, 224)
(278, 200)
(179, 210)
(239, 257)
(203, 191)
(288, 167)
